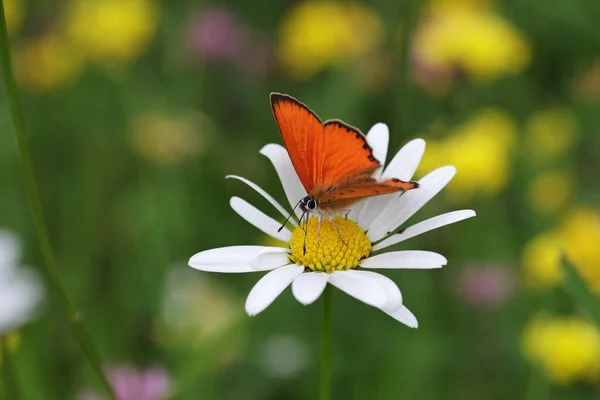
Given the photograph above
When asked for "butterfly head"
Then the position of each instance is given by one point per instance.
(308, 204)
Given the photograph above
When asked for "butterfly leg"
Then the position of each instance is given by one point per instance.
(305, 229)
(332, 219)
(319, 229)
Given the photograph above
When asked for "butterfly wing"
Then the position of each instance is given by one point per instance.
(322, 154)
(350, 193)
(302, 134)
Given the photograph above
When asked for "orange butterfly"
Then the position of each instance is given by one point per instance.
(332, 159)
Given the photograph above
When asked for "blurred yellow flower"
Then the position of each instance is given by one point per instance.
(549, 133)
(566, 348)
(112, 31)
(196, 310)
(481, 151)
(541, 260)
(12, 341)
(550, 191)
(580, 234)
(471, 37)
(315, 35)
(167, 139)
(577, 238)
(13, 11)
(46, 63)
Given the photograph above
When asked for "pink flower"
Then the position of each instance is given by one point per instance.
(214, 34)
(486, 286)
(129, 383)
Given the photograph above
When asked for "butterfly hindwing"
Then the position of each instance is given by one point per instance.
(350, 193)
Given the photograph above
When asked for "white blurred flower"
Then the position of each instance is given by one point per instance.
(20, 289)
(283, 356)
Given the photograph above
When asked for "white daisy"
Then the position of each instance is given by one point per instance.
(21, 291)
(309, 264)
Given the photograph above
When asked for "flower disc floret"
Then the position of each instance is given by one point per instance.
(325, 251)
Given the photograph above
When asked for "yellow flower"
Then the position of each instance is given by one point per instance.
(580, 234)
(46, 63)
(481, 151)
(167, 139)
(471, 37)
(315, 35)
(566, 348)
(550, 191)
(112, 31)
(542, 262)
(12, 341)
(196, 310)
(577, 238)
(549, 133)
(13, 11)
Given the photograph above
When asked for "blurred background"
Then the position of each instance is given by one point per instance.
(137, 109)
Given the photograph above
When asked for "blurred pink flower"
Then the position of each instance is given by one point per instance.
(486, 286)
(129, 383)
(215, 34)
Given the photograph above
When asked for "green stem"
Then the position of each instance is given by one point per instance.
(35, 204)
(326, 345)
(11, 388)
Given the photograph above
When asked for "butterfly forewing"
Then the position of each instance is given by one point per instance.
(302, 133)
(345, 154)
(322, 154)
(332, 160)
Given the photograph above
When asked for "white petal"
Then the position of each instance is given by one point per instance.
(292, 186)
(404, 315)
(270, 258)
(21, 293)
(378, 138)
(270, 286)
(266, 195)
(403, 166)
(308, 287)
(371, 208)
(406, 161)
(413, 259)
(369, 287)
(405, 206)
(232, 259)
(260, 220)
(425, 226)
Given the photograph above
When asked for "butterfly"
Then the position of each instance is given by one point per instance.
(332, 159)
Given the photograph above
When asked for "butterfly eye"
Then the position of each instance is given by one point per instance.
(311, 204)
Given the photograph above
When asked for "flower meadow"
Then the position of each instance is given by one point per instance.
(146, 255)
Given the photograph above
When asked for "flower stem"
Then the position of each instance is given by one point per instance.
(11, 388)
(35, 204)
(326, 345)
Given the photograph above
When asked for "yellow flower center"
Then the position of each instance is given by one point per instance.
(325, 251)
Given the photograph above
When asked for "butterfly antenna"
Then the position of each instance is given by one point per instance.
(288, 217)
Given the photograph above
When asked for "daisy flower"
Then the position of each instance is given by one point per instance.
(311, 260)
(20, 288)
